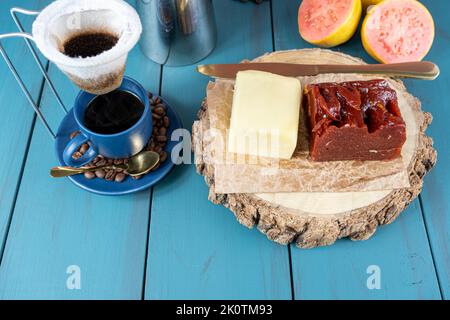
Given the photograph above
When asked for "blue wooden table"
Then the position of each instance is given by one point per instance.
(169, 242)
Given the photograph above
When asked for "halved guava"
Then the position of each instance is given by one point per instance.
(328, 23)
(398, 31)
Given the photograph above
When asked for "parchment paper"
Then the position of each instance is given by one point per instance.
(238, 174)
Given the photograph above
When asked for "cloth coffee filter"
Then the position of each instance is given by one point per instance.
(64, 19)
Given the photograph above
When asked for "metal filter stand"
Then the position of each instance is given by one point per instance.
(27, 37)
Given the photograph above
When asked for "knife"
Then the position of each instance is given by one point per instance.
(419, 70)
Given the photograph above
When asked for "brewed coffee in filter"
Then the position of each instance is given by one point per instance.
(88, 40)
(89, 44)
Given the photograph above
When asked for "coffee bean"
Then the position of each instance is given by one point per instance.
(110, 175)
(100, 173)
(119, 177)
(162, 131)
(156, 116)
(100, 162)
(166, 121)
(77, 155)
(157, 100)
(74, 134)
(162, 156)
(118, 161)
(110, 161)
(155, 130)
(84, 147)
(158, 149)
(160, 110)
(89, 175)
(161, 138)
(97, 159)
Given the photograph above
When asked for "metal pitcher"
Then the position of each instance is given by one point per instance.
(177, 32)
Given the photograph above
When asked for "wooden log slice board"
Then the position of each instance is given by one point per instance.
(320, 218)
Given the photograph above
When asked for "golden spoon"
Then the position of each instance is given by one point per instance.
(139, 164)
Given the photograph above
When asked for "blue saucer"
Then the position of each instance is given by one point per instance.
(129, 185)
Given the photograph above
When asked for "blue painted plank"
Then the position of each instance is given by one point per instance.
(436, 194)
(341, 271)
(401, 250)
(17, 115)
(56, 225)
(197, 249)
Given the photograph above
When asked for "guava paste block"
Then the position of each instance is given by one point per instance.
(357, 120)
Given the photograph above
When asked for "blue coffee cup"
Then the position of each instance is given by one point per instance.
(123, 144)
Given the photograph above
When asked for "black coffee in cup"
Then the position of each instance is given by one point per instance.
(89, 44)
(113, 112)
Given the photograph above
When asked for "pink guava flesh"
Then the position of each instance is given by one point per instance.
(319, 18)
(399, 31)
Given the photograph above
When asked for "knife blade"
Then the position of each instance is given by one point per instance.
(420, 70)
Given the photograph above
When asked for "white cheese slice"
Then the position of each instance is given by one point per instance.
(265, 115)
